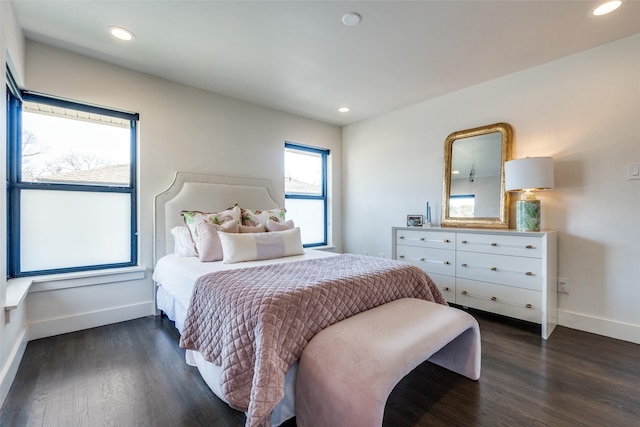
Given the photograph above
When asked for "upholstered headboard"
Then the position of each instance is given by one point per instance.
(207, 193)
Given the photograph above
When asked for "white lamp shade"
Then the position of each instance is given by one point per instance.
(530, 173)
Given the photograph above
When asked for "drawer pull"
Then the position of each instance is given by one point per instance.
(422, 239)
(529, 247)
(433, 261)
(446, 288)
(494, 244)
(497, 269)
(464, 242)
(447, 241)
(502, 301)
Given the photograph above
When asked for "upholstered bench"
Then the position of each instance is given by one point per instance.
(347, 371)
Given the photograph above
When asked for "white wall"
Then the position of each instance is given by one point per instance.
(180, 129)
(584, 110)
(13, 333)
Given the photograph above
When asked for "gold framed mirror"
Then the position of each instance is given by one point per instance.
(473, 192)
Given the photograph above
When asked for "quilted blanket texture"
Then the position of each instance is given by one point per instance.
(255, 322)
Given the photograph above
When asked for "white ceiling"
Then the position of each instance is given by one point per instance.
(298, 57)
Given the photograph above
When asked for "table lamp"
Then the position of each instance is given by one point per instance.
(529, 174)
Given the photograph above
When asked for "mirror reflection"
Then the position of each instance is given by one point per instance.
(474, 193)
(475, 176)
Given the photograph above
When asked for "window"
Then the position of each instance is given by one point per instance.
(305, 188)
(462, 205)
(71, 186)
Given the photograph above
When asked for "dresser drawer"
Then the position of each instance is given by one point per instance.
(520, 303)
(502, 271)
(520, 272)
(446, 285)
(525, 246)
(426, 239)
(439, 261)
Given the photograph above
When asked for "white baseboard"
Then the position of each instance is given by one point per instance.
(10, 369)
(78, 322)
(600, 326)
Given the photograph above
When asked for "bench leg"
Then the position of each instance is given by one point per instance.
(461, 355)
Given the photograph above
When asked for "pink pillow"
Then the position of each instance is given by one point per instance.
(194, 218)
(251, 229)
(210, 247)
(280, 226)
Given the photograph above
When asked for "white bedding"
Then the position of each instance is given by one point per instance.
(176, 277)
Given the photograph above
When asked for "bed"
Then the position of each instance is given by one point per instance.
(181, 280)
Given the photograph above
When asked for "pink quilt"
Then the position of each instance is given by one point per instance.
(255, 322)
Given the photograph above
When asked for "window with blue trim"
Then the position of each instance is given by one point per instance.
(71, 194)
(305, 187)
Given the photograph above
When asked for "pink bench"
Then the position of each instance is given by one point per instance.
(347, 371)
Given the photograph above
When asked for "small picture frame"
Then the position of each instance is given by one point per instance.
(415, 220)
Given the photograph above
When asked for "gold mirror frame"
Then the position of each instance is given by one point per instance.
(501, 221)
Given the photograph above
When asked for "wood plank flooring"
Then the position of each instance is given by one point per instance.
(133, 374)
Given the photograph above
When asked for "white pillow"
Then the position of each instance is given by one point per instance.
(255, 246)
(182, 242)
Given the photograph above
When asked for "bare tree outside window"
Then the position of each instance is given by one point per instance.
(30, 149)
(61, 148)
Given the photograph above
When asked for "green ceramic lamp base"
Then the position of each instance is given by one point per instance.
(528, 215)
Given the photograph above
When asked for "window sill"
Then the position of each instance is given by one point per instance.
(17, 289)
(326, 248)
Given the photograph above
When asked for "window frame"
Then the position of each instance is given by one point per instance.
(324, 154)
(15, 185)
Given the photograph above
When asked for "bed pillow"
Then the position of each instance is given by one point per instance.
(254, 217)
(182, 242)
(210, 247)
(250, 229)
(194, 218)
(256, 246)
(280, 226)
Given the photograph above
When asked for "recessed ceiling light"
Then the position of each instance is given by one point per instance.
(351, 18)
(121, 33)
(607, 7)
(344, 109)
(455, 172)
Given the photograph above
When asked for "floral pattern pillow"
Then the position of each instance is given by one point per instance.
(254, 218)
(192, 219)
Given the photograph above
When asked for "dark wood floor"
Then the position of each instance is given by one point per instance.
(133, 374)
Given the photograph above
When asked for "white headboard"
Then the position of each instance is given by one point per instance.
(206, 193)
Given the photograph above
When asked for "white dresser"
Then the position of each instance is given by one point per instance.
(507, 272)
